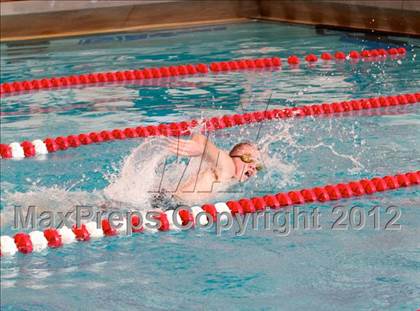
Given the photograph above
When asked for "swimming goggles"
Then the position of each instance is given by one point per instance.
(247, 158)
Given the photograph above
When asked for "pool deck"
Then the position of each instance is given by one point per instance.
(40, 20)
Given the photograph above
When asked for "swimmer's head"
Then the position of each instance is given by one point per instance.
(246, 158)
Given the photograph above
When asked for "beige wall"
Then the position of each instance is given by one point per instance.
(26, 19)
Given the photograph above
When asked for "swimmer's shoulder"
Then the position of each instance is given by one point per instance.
(225, 165)
(221, 176)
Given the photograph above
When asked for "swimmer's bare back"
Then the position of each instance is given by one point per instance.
(204, 185)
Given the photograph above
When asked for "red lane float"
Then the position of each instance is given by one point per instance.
(23, 243)
(180, 70)
(35, 241)
(293, 60)
(48, 145)
(53, 238)
(81, 233)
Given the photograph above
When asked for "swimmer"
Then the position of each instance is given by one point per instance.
(221, 170)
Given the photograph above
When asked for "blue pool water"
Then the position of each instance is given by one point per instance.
(367, 269)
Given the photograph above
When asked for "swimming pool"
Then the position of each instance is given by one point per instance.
(350, 269)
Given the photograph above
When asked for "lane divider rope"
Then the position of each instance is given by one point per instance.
(13, 87)
(52, 238)
(48, 145)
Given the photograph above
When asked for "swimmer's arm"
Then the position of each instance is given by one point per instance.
(218, 158)
(200, 145)
(210, 152)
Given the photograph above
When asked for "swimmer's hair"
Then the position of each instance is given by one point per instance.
(239, 146)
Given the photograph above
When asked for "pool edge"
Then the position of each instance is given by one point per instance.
(400, 17)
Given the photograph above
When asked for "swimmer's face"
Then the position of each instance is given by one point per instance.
(247, 162)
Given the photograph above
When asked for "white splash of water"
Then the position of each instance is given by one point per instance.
(137, 177)
(148, 169)
(274, 161)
